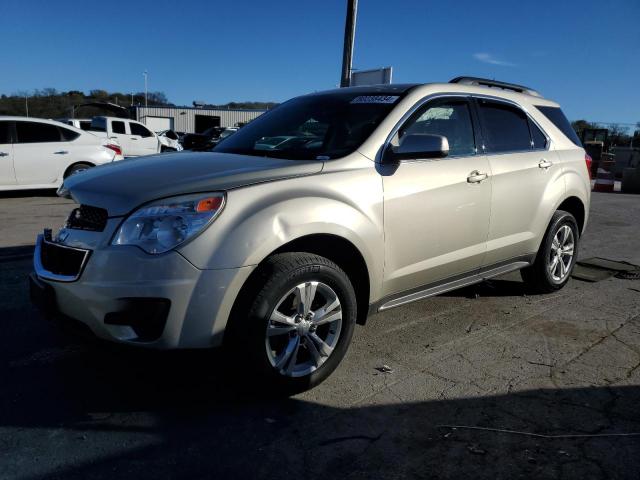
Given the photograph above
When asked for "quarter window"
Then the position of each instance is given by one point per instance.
(118, 127)
(68, 135)
(137, 129)
(559, 120)
(505, 128)
(33, 132)
(448, 118)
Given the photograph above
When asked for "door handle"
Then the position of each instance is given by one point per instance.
(61, 152)
(133, 138)
(3, 154)
(544, 163)
(476, 177)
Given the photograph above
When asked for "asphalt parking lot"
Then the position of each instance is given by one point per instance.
(486, 382)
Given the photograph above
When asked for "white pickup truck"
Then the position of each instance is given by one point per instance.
(135, 139)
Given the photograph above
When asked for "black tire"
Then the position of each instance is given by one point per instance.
(246, 337)
(77, 168)
(164, 149)
(538, 276)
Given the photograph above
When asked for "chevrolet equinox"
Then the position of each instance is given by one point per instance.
(326, 209)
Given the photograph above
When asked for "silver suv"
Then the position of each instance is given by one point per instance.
(326, 209)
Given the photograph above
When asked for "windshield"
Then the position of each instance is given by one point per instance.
(318, 127)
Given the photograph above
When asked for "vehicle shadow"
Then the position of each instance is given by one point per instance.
(164, 416)
(492, 288)
(49, 192)
(73, 408)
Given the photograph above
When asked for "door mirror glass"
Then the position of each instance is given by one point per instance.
(418, 146)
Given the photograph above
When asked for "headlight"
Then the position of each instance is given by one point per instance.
(164, 224)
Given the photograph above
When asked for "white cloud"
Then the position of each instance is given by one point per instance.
(488, 58)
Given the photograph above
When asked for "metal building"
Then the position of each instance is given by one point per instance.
(190, 119)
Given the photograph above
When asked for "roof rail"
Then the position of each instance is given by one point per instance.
(485, 82)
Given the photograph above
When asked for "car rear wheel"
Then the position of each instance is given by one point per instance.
(556, 257)
(77, 168)
(297, 325)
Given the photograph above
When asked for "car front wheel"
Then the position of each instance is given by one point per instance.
(298, 324)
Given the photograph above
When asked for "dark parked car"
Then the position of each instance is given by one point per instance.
(207, 139)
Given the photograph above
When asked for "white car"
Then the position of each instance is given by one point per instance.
(37, 153)
(169, 141)
(135, 138)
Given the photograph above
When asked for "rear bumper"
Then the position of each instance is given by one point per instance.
(160, 301)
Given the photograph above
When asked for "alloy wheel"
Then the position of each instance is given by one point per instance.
(561, 253)
(303, 329)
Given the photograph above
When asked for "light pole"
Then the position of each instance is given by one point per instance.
(146, 75)
(349, 36)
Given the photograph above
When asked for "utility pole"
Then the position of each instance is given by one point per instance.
(26, 104)
(349, 36)
(146, 74)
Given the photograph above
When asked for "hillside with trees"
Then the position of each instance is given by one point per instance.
(50, 103)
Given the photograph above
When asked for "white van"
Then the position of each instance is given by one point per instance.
(135, 139)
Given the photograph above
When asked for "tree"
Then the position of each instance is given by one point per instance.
(99, 94)
(580, 125)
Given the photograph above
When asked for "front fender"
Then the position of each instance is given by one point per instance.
(259, 219)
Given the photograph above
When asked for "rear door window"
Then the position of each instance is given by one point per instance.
(137, 129)
(559, 120)
(34, 132)
(505, 127)
(5, 132)
(68, 135)
(118, 127)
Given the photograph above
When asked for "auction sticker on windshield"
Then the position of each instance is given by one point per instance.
(375, 99)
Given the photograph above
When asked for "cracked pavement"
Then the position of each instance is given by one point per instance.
(486, 382)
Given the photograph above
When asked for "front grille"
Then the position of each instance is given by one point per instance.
(86, 217)
(61, 260)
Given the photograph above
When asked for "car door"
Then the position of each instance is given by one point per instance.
(40, 153)
(118, 131)
(436, 211)
(523, 169)
(7, 173)
(146, 140)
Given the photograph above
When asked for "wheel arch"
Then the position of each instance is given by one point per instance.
(84, 162)
(344, 254)
(337, 249)
(575, 207)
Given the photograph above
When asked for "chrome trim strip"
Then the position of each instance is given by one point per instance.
(446, 287)
(41, 272)
(480, 148)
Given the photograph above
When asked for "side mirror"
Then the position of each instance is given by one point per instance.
(418, 146)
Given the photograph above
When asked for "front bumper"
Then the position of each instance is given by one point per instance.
(122, 289)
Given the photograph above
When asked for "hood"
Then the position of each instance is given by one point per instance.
(122, 186)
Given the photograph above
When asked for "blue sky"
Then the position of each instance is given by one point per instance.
(583, 54)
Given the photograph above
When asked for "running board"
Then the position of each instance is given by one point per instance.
(453, 285)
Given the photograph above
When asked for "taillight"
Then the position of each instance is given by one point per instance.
(115, 148)
(588, 160)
